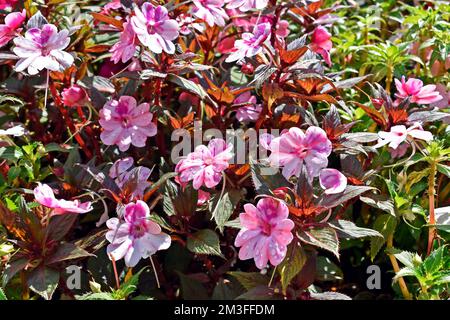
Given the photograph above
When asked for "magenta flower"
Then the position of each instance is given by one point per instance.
(210, 11)
(136, 237)
(321, 43)
(42, 49)
(124, 123)
(265, 233)
(246, 5)
(11, 29)
(123, 176)
(74, 96)
(154, 28)
(414, 88)
(205, 165)
(332, 181)
(7, 4)
(251, 43)
(125, 48)
(45, 196)
(248, 112)
(293, 149)
(399, 134)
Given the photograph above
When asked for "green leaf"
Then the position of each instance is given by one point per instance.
(96, 296)
(250, 280)
(348, 229)
(188, 85)
(325, 238)
(235, 223)
(292, 264)
(2, 295)
(327, 270)
(67, 251)
(435, 261)
(378, 201)
(192, 289)
(11, 153)
(130, 286)
(409, 259)
(264, 184)
(442, 168)
(12, 268)
(385, 224)
(204, 242)
(60, 225)
(43, 281)
(222, 209)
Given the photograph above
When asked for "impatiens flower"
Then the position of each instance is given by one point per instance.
(445, 101)
(75, 96)
(210, 11)
(186, 22)
(205, 165)
(125, 48)
(42, 48)
(154, 28)
(251, 43)
(246, 5)
(10, 29)
(136, 237)
(332, 181)
(125, 123)
(293, 149)
(417, 92)
(6, 4)
(321, 43)
(16, 131)
(248, 112)
(120, 167)
(399, 134)
(45, 196)
(266, 232)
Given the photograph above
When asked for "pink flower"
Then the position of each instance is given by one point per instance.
(251, 43)
(266, 232)
(400, 151)
(185, 21)
(246, 5)
(203, 196)
(154, 28)
(74, 96)
(321, 43)
(43, 49)
(445, 101)
(205, 165)
(248, 112)
(293, 149)
(138, 176)
(45, 196)
(414, 88)
(399, 134)
(10, 29)
(125, 48)
(136, 237)
(210, 11)
(7, 4)
(332, 181)
(112, 5)
(124, 123)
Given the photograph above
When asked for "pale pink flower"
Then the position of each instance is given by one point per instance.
(246, 5)
(74, 96)
(210, 11)
(265, 233)
(120, 166)
(42, 48)
(294, 148)
(137, 176)
(321, 43)
(417, 92)
(400, 151)
(11, 29)
(205, 165)
(154, 28)
(185, 22)
(45, 196)
(125, 123)
(281, 30)
(125, 48)
(112, 5)
(332, 181)
(398, 134)
(445, 101)
(251, 43)
(203, 196)
(136, 237)
(248, 112)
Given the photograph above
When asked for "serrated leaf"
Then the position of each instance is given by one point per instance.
(250, 280)
(442, 168)
(291, 265)
(2, 295)
(325, 238)
(350, 192)
(327, 270)
(223, 208)
(348, 229)
(192, 289)
(379, 201)
(67, 251)
(409, 259)
(385, 224)
(329, 295)
(435, 261)
(264, 184)
(96, 296)
(204, 242)
(43, 281)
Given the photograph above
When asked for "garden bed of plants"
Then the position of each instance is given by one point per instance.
(224, 149)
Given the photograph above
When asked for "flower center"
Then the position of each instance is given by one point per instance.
(266, 228)
(302, 152)
(138, 230)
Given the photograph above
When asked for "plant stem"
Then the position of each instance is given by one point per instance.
(389, 76)
(401, 281)
(432, 221)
